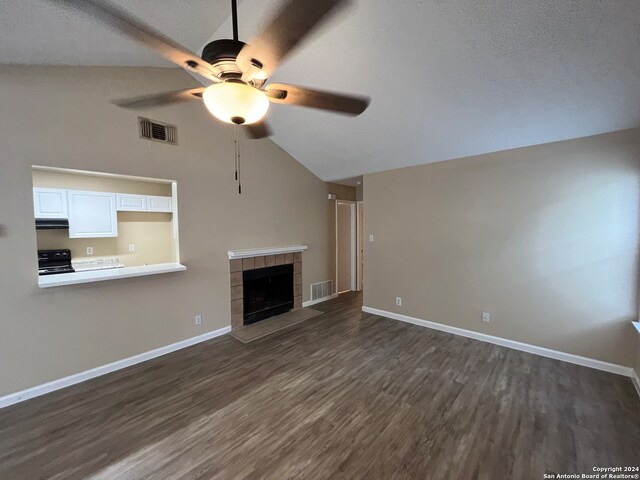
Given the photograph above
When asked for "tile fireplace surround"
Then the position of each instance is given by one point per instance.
(239, 265)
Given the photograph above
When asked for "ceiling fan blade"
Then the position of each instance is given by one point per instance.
(258, 130)
(306, 97)
(122, 21)
(297, 19)
(158, 99)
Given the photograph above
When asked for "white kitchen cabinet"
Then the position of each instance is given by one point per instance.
(50, 203)
(92, 214)
(131, 203)
(159, 204)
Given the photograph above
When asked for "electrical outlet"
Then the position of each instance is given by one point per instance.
(371, 238)
(398, 301)
(132, 247)
(89, 250)
(486, 317)
(198, 319)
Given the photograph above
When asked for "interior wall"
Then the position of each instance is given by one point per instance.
(544, 238)
(150, 232)
(63, 117)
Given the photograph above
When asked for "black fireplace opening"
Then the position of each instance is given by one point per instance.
(267, 292)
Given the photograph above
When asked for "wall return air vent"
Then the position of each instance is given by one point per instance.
(158, 131)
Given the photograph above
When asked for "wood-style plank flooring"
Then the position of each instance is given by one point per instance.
(343, 395)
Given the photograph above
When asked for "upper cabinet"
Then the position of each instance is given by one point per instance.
(159, 204)
(50, 203)
(143, 203)
(131, 203)
(92, 214)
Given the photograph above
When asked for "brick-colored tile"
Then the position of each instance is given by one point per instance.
(270, 260)
(297, 301)
(297, 290)
(235, 265)
(248, 263)
(236, 320)
(280, 259)
(260, 262)
(237, 307)
(297, 267)
(288, 258)
(297, 257)
(236, 293)
(297, 279)
(236, 279)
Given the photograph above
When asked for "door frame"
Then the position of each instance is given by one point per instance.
(354, 259)
(359, 243)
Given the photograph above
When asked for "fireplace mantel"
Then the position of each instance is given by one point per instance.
(258, 252)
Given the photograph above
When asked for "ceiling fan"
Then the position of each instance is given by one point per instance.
(238, 71)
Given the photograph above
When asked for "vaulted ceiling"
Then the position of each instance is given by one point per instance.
(448, 78)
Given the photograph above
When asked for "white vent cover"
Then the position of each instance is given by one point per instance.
(321, 290)
(158, 131)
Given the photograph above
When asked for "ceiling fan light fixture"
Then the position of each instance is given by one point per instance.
(236, 102)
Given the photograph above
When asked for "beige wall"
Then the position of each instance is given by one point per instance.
(62, 117)
(544, 238)
(150, 232)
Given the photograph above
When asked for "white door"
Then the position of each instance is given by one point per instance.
(360, 246)
(92, 214)
(346, 245)
(50, 203)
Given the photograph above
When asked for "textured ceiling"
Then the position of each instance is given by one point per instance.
(458, 78)
(448, 78)
(35, 32)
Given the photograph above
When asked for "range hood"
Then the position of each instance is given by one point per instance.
(52, 223)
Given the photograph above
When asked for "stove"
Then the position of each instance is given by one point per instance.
(51, 262)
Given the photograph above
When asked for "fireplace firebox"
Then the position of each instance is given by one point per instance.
(267, 292)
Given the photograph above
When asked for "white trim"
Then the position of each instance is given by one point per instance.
(636, 381)
(54, 385)
(319, 300)
(637, 325)
(258, 252)
(353, 230)
(61, 279)
(524, 347)
(359, 244)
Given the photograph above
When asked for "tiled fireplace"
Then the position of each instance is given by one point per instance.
(251, 262)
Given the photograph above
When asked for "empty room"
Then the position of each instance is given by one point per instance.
(303, 239)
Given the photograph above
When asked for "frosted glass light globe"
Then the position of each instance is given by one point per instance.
(235, 102)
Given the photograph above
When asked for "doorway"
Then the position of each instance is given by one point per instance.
(346, 246)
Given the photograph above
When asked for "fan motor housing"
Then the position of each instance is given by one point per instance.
(221, 54)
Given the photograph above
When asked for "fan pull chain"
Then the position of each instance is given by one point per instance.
(236, 156)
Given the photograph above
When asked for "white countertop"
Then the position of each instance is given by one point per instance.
(58, 280)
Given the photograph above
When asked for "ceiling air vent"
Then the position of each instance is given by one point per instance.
(158, 131)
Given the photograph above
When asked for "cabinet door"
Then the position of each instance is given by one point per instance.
(92, 214)
(50, 203)
(158, 204)
(131, 203)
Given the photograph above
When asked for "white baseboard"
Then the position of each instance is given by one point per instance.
(525, 347)
(48, 387)
(319, 300)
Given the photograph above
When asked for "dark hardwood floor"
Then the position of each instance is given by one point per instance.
(343, 395)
